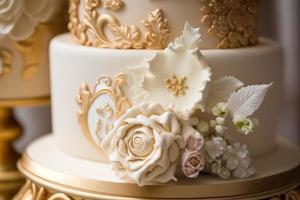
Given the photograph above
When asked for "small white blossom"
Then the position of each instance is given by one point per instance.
(220, 120)
(244, 125)
(220, 110)
(238, 159)
(222, 172)
(220, 130)
(215, 147)
(241, 172)
(203, 127)
(214, 168)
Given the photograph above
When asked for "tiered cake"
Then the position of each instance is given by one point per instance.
(164, 99)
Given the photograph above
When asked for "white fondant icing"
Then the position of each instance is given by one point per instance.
(220, 90)
(258, 64)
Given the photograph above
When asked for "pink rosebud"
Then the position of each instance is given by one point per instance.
(195, 142)
(192, 162)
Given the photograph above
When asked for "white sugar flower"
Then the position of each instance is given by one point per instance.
(220, 120)
(215, 147)
(244, 125)
(241, 172)
(220, 130)
(175, 78)
(238, 159)
(224, 173)
(220, 171)
(18, 18)
(145, 144)
(220, 110)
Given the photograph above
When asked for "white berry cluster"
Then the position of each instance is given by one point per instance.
(222, 158)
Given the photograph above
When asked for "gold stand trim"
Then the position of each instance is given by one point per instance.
(34, 191)
(266, 187)
(10, 178)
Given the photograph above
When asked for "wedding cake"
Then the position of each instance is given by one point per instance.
(165, 99)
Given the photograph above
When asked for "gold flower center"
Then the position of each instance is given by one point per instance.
(177, 86)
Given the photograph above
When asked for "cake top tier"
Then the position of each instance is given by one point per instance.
(152, 24)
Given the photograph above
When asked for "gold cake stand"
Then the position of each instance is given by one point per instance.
(10, 178)
(54, 175)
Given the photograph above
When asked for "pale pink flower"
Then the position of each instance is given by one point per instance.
(195, 142)
(192, 162)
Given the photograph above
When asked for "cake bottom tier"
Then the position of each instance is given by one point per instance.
(56, 175)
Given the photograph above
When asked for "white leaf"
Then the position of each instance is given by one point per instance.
(247, 100)
(220, 90)
(190, 39)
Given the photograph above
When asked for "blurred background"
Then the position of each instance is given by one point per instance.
(278, 19)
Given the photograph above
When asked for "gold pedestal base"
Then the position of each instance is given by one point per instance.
(10, 178)
(54, 175)
(33, 191)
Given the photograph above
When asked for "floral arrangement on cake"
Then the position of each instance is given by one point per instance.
(168, 115)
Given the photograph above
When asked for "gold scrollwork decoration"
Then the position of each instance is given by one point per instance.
(113, 4)
(32, 49)
(6, 59)
(105, 115)
(93, 30)
(31, 191)
(234, 23)
(76, 28)
(290, 195)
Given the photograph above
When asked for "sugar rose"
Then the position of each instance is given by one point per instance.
(192, 163)
(145, 144)
(10, 11)
(19, 18)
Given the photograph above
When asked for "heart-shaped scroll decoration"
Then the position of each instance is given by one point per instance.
(101, 107)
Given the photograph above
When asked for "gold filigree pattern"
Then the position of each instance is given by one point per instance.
(32, 48)
(6, 59)
(290, 195)
(93, 30)
(127, 37)
(31, 191)
(113, 4)
(105, 86)
(234, 23)
(77, 30)
(158, 31)
(177, 86)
